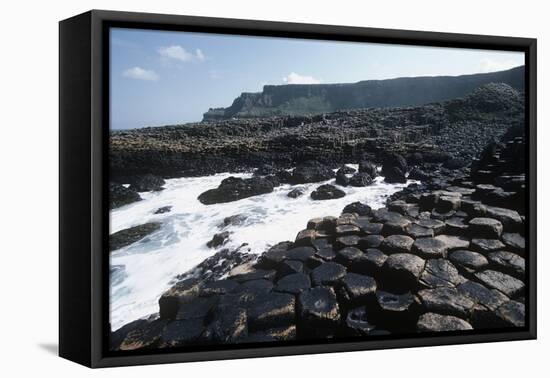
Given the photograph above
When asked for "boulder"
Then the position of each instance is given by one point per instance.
(327, 192)
(487, 245)
(514, 241)
(394, 175)
(510, 219)
(416, 231)
(311, 171)
(132, 235)
(512, 314)
(370, 241)
(454, 242)
(368, 168)
(146, 183)
(296, 192)
(358, 208)
(182, 292)
(489, 298)
(234, 188)
(436, 225)
(120, 196)
(432, 322)
(162, 210)
(218, 240)
(305, 237)
(359, 288)
(360, 179)
(318, 308)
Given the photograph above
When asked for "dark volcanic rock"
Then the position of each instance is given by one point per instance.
(512, 314)
(431, 322)
(358, 208)
(327, 192)
(359, 288)
(144, 335)
(233, 189)
(429, 248)
(296, 192)
(485, 227)
(357, 322)
(228, 326)
(394, 175)
(162, 210)
(469, 260)
(146, 183)
(478, 293)
(271, 310)
(328, 274)
(360, 179)
(508, 262)
(218, 240)
(487, 245)
(397, 244)
(182, 332)
(319, 308)
(447, 301)
(502, 282)
(293, 283)
(312, 171)
(514, 241)
(440, 273)
(402, 270)
(120, 196)
(131, 235)
(368, 168)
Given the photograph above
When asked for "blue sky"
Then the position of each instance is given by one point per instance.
(160, 78)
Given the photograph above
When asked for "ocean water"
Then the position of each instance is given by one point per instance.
(141, 272)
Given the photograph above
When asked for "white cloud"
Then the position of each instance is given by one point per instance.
(294, 78)
(140, 74)
(177, 52)
(491, 65)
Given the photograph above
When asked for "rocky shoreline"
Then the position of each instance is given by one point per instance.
(444, 255)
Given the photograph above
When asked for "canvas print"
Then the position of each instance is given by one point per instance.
(273, 191)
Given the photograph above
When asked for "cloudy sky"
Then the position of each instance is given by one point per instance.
(160, 77)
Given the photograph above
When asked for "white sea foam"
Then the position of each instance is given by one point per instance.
(144, 270)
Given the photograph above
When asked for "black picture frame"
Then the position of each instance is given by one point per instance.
(83, 165)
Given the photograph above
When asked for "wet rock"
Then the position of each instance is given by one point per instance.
(394, 175)
(347, 229)
(397, 312)
(118, 336)
(454, 242)
(271, 310)
(368, 168)
(468, 260)
(233, 220)
(234, 188)
(357, 322)
(448, 203)
(512, 314)
(440, 273)
(442, 215)
(402, 270)
(132, 235)
(311, 171)
(319, 310)
(198, 307)
(514, 241)
(360, 179)
(296, 192)
(218, 240)
(487, 245)
(293, 283)
(274, 255)
(431, 322)
(349, 256)
(396, 226)
(256, 274)
(504, 283)
(508, 262)
(326, 253)
(446, 301)
(359, 288)
(120, 196)
(290, 267)
(429, 248)
(358, 208)
(327, 192)
(256, 286)
(162, 210)
(370, 241)
(342, 178)
(146, 183)
(300, 253)
(485, 227)
(329, 273)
